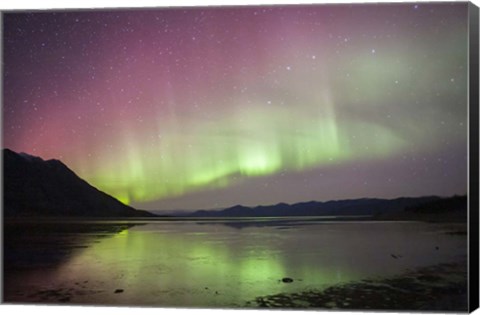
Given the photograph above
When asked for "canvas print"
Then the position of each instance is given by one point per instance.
(291, 156)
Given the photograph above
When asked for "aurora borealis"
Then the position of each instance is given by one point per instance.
(193, 108)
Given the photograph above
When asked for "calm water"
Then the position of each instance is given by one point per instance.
(212, 263)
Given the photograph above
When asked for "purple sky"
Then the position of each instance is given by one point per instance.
(210, 107)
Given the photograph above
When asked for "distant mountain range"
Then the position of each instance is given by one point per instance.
(400, 208)
(34, 187)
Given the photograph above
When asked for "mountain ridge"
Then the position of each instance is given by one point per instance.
(37, 187)
(347, 207)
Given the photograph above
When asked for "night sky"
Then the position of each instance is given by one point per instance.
(196, 108)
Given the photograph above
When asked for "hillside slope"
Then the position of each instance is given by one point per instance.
(34, 187)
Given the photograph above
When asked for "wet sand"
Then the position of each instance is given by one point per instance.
(438, 288)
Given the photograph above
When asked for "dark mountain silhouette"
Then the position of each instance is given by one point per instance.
(455, 203)
(453, 209)
(34, 187)
(366, 207)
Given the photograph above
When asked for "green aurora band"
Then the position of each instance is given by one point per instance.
(254, 141)
(165, 108)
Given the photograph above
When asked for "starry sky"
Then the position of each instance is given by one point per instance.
(201, 108)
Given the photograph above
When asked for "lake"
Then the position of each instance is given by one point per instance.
(212, 263)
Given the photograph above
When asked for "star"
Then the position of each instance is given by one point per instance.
(179, 90)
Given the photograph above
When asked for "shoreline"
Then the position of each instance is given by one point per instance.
(441, 287)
